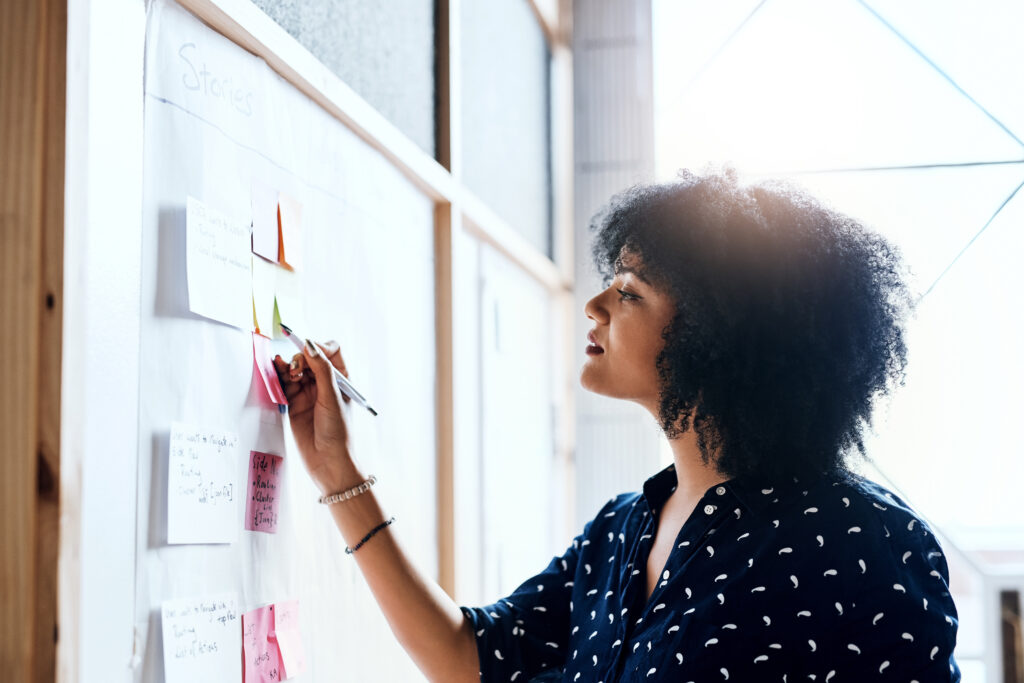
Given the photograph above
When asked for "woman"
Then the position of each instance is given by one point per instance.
(757, 327)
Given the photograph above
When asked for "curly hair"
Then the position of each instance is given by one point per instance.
(789, 319)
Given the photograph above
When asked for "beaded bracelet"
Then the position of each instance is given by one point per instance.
(370, 535)
(351, 493)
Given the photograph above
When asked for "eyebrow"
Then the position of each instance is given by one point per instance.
(620, 268)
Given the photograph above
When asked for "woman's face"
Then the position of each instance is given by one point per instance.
(629, 317)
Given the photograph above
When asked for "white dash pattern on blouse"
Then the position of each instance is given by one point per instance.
(873, 604)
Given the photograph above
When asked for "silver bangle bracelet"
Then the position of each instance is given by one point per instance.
(351, 493)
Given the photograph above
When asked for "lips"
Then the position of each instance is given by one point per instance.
(594, 347)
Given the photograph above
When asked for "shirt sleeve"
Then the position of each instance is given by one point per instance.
(527, 632)
(905, 628)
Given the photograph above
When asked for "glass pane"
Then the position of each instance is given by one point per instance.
(518, 448)
(505, 114)
(382, 50)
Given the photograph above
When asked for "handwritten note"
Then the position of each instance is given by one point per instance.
(263, 357)
(289, 216)
(264, 221)
(201, 496)
(261, 656)
(218, 265)
(202, 639)
(261, 505)
(286, 626)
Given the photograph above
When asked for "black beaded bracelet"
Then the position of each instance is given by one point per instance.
(368, 536)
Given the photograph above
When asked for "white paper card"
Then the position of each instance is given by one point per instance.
(219, 266)
(202, 500)
(202, 640)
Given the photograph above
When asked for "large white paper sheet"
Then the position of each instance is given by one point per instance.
(202, 640)
(219, 266)
(202, 500)
(366, 278)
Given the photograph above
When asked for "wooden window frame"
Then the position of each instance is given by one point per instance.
(32, 98)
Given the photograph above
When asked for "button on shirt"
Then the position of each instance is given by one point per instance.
(834, 579)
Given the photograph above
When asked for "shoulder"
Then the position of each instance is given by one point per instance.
(882, 512)
(877, 523)
(612, 516)
(615, 509)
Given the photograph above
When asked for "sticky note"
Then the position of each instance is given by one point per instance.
(261, 657)
(264, 221)
(289, 641)
(287, 302)
(289, 217)
(218, 265)
(263, 356)
(264, 282)
(262, 494)
(201, 505)
(201, 639)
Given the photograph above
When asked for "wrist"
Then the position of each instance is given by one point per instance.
(337, 477)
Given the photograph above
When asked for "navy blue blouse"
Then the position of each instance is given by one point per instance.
(834, 580)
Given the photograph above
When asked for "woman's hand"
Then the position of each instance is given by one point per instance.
(315, 410)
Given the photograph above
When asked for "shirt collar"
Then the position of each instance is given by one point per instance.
(659, 487)
(754, 493)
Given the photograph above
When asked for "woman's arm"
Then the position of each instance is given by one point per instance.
(426, 621)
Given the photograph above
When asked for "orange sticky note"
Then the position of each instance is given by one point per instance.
(264, 359)
(289, 226)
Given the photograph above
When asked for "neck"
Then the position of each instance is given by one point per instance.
(694, 476)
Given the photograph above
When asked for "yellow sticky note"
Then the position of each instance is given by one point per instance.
(264, 284)
(288, 304)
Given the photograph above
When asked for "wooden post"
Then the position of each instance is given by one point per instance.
(32, 95)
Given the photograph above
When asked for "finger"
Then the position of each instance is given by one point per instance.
(327, 392)
(293, 388)
(297, 367)
(284, 373)
(332, 350)
(281, 366)
(333, 353)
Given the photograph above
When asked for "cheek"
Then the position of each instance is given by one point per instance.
(640, 351)
(643, 342)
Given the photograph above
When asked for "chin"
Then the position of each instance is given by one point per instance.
(594, 385)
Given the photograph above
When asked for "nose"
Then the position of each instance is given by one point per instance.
(594, 310)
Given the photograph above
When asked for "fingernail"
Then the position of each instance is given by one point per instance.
(294, 365)
(312, 348)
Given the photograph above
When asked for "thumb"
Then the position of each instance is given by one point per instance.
(327, 393)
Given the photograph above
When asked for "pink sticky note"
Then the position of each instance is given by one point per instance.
(286, 625)
(262, 494)
(261, 657)
(289, 217)
(264, 359)
(264, 221)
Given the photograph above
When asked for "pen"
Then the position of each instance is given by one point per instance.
(342, 381)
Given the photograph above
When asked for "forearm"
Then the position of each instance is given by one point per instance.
(424, 619)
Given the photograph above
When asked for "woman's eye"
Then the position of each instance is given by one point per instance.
(626, 296)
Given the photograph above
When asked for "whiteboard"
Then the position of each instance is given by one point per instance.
(216, 119)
